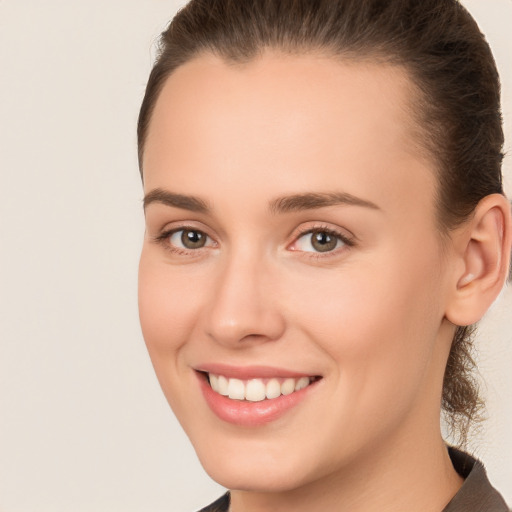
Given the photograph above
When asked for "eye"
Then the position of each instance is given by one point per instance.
(319, 240)
(189, 239)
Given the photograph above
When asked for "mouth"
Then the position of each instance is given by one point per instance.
(256, 396)
(257, 389)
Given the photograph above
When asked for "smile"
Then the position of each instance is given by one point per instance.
(257, 390)
(253, 396)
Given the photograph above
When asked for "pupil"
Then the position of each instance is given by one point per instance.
(193, 239)
(323, 241)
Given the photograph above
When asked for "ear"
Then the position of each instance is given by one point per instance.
(483, 249)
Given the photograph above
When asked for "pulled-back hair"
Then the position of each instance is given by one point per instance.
(457, 103)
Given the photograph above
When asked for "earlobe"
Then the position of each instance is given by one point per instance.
(484, 255)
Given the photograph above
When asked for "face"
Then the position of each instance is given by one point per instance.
(291, 262)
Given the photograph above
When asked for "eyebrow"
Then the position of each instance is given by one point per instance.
(314, 200)
(284, 204)
(185, 202)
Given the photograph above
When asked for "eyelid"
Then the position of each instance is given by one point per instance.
(347, 238)
(311, 227)
(178, 225)
(163, 238)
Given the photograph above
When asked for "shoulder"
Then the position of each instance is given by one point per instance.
(220, 505)
(476, 494)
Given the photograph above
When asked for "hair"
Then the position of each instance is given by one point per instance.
(456, 109)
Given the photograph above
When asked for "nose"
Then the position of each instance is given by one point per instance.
(244, 306)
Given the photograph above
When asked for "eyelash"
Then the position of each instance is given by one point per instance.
(347, 242)
(344, 239)
(163, 239)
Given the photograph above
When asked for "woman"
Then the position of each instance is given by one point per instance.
(325, 220)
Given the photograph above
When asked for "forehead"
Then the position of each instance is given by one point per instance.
(286, 116)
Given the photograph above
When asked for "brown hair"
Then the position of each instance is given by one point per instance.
(458, 99)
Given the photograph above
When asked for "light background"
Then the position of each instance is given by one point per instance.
(83, 424)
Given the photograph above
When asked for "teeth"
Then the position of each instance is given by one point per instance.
(301, 383)
(214, 382)
(223, 385)
(256, 390)
(288, 387)
(236, 389)
(273, 389)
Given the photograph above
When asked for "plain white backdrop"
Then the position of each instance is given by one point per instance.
(83, 423)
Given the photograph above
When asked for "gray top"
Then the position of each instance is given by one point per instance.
(476, 494)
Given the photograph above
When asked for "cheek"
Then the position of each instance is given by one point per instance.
(379, 328)
(363, 311)
(167, 307)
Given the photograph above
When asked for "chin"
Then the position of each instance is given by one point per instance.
(255, 470)
(255, 479)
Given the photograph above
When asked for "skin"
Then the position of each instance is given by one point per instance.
(372, 319)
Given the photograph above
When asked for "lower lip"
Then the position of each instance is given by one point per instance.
(251, 414)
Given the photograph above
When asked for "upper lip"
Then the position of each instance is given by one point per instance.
(249, 372)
